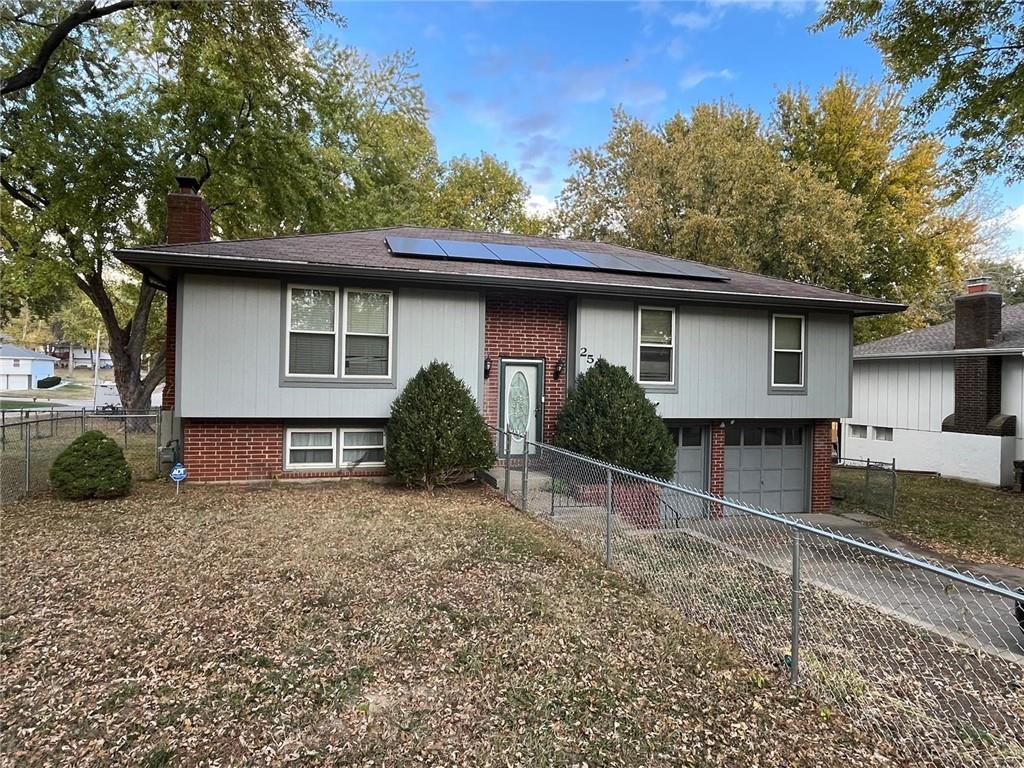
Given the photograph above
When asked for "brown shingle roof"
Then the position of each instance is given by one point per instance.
(365, 251)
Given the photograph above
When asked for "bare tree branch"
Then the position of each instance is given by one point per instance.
(83, 13)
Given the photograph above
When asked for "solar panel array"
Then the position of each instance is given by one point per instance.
(504, 253)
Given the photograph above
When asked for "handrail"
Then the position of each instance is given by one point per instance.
(875, 549)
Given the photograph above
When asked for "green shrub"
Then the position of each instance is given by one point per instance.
(93, 466)
(436, 435)
(608, 417)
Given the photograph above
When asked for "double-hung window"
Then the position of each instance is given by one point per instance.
(656, 345)
(787, 351)
(368, 320)
(312, 331)
(311, 449)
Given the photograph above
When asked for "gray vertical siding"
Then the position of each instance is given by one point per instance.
(722, 361)
(904, 394)
(230, 347)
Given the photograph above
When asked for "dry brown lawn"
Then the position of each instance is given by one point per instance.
(361, 624)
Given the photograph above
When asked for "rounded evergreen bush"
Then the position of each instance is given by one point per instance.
(608, 417)
(436, 435)
(93, 466)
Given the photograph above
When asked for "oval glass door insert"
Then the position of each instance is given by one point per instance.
(518, 403)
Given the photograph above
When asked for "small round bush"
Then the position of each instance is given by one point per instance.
(608, 417)
(92, 467)
(436, 435)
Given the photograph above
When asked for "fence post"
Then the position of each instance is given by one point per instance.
(608, 520)
(526, 471)
(794, 650)
(867, 477)
(126, 430)
(893, 511)
(551, 474)
(83, 420)
(508, 462)
(28, 461)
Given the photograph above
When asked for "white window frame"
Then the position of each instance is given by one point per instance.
(288, 447)
(802, 351)
(16, 363)
(288, 332)
(859, 426)
(342, 448)
(390, 335)
(671, 347)
(874, 434)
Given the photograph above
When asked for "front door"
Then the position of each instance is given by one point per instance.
(521, 399)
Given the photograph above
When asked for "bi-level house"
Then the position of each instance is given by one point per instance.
(285, 354)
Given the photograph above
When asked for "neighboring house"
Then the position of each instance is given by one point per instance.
(22, 368)
(285, 354)
(946, 399)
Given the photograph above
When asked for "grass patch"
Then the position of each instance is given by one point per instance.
(18, 405)
(328, 626)
(954, 517)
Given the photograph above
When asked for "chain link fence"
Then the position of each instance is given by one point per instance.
(927, 659)
(865, 486)
(31, 440)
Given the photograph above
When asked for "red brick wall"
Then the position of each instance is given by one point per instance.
(188, 218)
(230, 449)
(821, 467)
(522, 325)
(171, 346)
(716, 478)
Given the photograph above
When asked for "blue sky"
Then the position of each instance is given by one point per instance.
(529, 82)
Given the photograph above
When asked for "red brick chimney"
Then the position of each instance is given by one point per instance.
(188, 215)
(188, 221)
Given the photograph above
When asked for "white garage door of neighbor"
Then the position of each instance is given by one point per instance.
(766, 465)
(14, 381)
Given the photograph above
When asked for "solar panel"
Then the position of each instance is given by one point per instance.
(699, 271)
(414, 246)
(516, 254)
(610, 263)
(563, 258)
(467, 250)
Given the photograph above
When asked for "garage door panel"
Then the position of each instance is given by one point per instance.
(771, 480)
(768, 468)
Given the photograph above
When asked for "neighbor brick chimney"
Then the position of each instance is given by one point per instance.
(978, 378)
(188, 215)
(979, 315)
(188, 221)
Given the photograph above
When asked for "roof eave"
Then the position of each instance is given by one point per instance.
(143, 259)
(975, 352)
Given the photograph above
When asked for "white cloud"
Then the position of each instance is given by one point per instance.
(693, 20)
(694, 77)
(641, 94)
(539, 205)
(1013, 218)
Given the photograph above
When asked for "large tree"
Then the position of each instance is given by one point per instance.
(103, 111)
(916, 231)
(482, 193)
(712, 187)
(965, 58)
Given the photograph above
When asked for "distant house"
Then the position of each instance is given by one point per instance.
(946, 399)
(285, 354)
(22, 368)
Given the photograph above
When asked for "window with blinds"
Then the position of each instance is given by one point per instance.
(312, 331)
(368, 334)
(787, 351)
(656, 345)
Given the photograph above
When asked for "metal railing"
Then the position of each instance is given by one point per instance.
(30, 442)
(865, 485)
(927, 659)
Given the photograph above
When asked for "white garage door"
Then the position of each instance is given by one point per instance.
(766, 465)
(14, 381)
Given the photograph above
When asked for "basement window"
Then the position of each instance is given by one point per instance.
(859, 431)
(310, 449)
(883, 433)
(362, 447)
